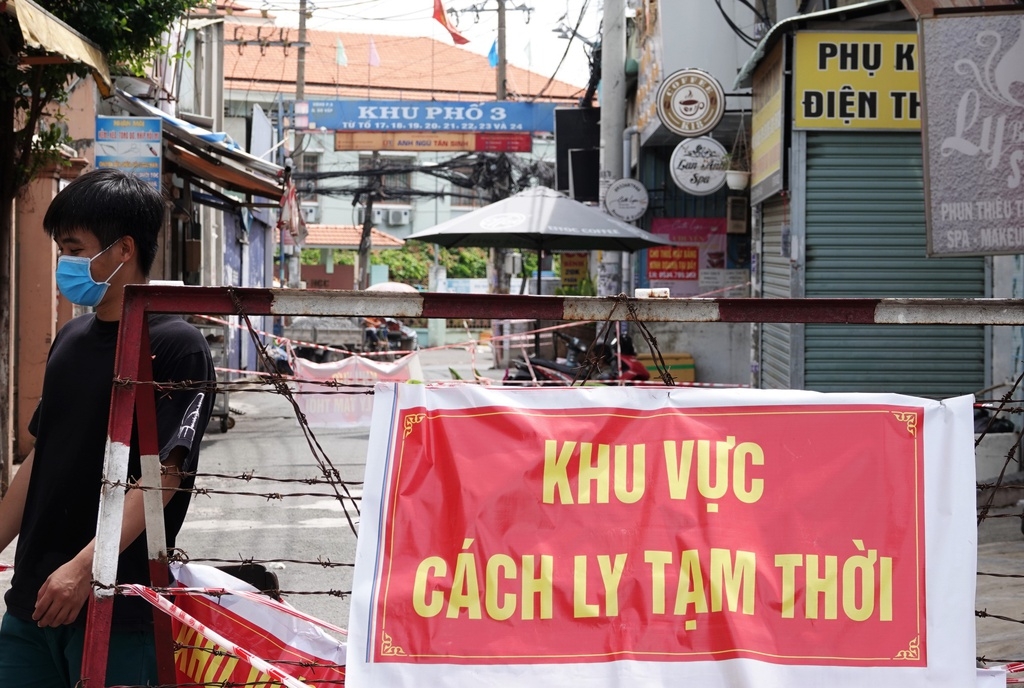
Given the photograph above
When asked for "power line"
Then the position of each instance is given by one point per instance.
(579, 23)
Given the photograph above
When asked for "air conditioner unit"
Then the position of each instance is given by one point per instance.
(398, 217)
(378, 216)
(310, 213)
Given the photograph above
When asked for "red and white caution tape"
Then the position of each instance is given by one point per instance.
(178, 613)
(1012, 668)
(258, 599)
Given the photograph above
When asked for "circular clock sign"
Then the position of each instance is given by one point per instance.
(698, 166)
(626, 200)
(691, 102)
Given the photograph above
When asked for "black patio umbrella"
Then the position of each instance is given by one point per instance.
(540, 219)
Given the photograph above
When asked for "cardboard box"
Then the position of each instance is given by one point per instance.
(680, 366)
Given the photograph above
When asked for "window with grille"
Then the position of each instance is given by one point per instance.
(308, 165)
(475, 197)
(396, 177)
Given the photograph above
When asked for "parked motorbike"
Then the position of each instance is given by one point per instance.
(604, 362)
(388, 334)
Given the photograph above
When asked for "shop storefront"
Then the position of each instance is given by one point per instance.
(838, 208)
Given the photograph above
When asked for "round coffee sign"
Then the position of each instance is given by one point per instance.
(698, 166)
(626, 200)
(691, 102)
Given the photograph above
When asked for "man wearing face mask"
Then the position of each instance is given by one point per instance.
(106, 225)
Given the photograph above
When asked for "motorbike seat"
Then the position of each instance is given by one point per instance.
(547, 363)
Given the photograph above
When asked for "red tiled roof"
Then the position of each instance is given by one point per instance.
(345, 237)
(227, 8)
(411, 68)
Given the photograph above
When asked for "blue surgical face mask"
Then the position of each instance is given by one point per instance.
(75, 282)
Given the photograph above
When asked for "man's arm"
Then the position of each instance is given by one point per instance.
(12, 507)
(62, 596)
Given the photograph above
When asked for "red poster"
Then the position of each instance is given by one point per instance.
(673, 263)
(792, 535)
(696, 263)
(504, 143)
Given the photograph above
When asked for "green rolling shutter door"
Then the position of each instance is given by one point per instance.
(866, 237)
(776, 276)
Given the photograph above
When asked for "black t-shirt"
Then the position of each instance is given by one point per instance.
(70, 426)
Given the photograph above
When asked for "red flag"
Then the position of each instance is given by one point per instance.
(441, 16)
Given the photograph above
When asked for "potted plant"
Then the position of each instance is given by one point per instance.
(737, 162)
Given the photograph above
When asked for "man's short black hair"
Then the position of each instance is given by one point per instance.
(111, 205)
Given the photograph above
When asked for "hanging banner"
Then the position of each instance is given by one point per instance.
(766, 176)
(700, 259)
(856, 80)
(613, 536)
(426, 115)
(974, 133)
(285, 638)
(431, 141)
(133, 145)
(351, 403)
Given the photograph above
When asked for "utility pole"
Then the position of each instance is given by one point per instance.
(613, 122)
(365, 239)
(300, 66)
(501, 282)
(295, 263)
(501, 90)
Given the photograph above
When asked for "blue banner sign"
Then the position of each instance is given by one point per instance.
(427, 115)
(132, 145)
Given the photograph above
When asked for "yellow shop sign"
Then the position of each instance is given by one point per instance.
(856, 81)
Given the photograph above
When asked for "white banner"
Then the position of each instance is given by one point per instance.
(350, 404)
(654, 537)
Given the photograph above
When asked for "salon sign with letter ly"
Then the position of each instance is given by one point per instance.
(974, 133)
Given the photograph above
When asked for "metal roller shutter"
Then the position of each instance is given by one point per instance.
(776, 339)
(866, 237)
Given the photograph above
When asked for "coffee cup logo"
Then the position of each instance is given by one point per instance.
(691, 102)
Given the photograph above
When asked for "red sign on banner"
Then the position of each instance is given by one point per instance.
(673, 262)
(680, 534)
(504, 143)
(697, 261)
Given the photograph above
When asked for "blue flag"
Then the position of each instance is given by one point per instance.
(492, 57)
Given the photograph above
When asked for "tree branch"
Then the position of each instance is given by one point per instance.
(23, 143)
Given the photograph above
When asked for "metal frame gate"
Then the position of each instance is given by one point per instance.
(133, 396)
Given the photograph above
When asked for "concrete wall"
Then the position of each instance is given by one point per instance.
(694, 34)
(721, 351)
(39, 312)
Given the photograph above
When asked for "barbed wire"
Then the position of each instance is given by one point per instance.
(207, 491)
(125, 591)
(322, 459)
(243, 561)
(1005, 400)
(277, 383)
(249, 476)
